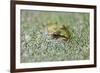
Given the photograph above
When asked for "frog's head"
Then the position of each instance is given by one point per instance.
(52, 27)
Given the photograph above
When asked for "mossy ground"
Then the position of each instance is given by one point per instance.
(37, 46)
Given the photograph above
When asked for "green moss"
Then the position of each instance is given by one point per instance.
(37, 46)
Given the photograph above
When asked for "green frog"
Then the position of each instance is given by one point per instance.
(58, 31)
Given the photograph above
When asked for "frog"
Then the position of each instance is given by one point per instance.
(58, 31)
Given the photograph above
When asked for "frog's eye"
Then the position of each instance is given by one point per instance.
(55, 35)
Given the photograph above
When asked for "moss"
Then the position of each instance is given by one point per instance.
(37, 46)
